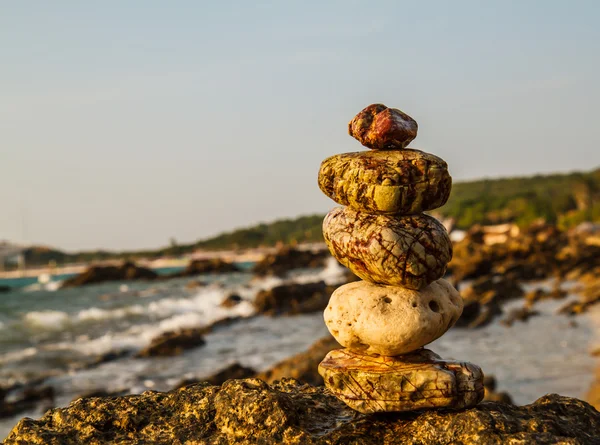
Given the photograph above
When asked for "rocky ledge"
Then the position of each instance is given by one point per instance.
(250, 411)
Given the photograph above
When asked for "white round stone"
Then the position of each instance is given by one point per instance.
(389, 320)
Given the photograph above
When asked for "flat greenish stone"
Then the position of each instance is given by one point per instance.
(415, 381)
(407, 251)
(400, 182)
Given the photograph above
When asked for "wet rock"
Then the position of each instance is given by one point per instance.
(16, 400)
(287, 259)
(407, 251)
(303, 366)
(383, 128)
(402, 182)
(233, 371)
(5, 288)
(483, 297)
(518, 314)
(294, 298)
(478, 315)
(491, 395)
(110, 356)
(100, 274)
(231, 300)
(388, 320)
(251, 412)
(577, 307)
(195, 284)
(497, 288)
(540, 294)
(100, 392)
(174, 343)
(208, 266)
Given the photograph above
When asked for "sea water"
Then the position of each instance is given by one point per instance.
(57, 335)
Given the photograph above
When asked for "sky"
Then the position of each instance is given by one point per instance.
(125, 124)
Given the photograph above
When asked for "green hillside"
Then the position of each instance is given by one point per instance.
(564, 199)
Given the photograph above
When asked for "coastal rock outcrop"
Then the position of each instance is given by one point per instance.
(294, 298)
(100, 274)
(288, 258)
(303, 366)
(251, 411)
(174, 342)
(199, 267)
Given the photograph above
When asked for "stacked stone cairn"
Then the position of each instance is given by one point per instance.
(402, 302)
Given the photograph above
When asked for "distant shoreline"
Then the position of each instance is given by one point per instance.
(232, 256)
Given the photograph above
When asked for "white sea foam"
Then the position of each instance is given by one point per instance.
(18, 355)
(96, 314)
(51, 320)
(171, 313)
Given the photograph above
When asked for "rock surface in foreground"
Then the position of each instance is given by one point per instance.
(250, 411)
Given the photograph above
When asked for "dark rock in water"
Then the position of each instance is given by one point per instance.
(478, 315)
(482, 300)
(231, 301)
(23, 399)
(491, 395)
(110, 356)
(199, 267)
(288, 258)
(195, 284)
(100, 392)
(233, 371)
(519, 314)
(496, 288)
(539, 294)
(174, 343)
(100, 274)
(5, 288)
(252, 412)
(303, 366)
(293, 298)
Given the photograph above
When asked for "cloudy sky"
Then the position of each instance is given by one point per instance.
(123, 124)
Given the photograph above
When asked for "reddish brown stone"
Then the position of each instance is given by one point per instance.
(381, 128)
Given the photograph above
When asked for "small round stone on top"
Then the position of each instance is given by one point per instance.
(382, 128)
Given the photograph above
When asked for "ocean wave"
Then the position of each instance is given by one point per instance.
(18, 355)
(50, 320)
(96, 314)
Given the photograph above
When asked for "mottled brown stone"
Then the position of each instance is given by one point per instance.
(407, 251)
(380, 127)
(420, 380)
(389, 182)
